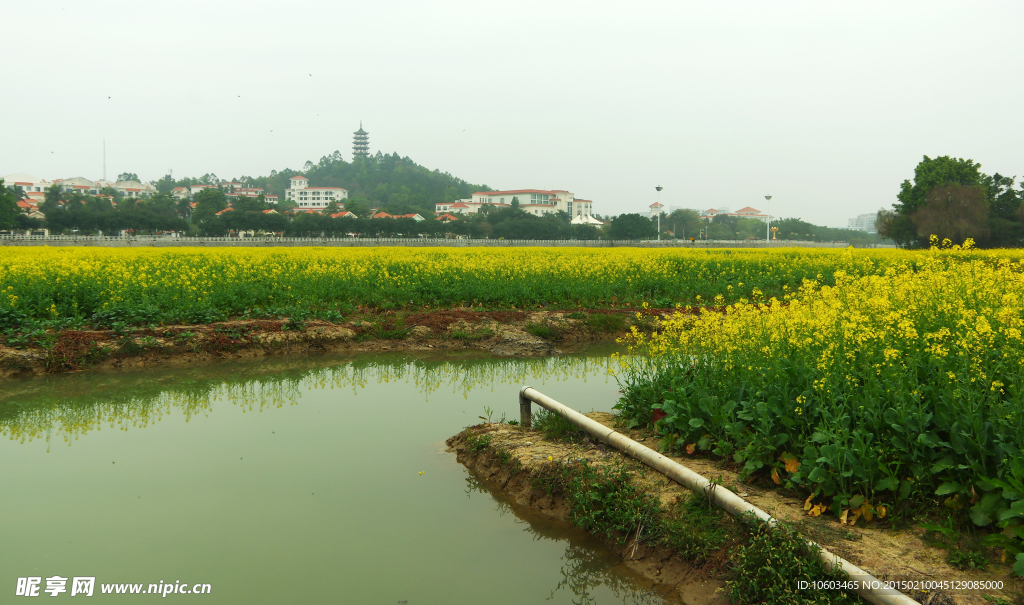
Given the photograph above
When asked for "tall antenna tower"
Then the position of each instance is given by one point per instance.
(104, 159)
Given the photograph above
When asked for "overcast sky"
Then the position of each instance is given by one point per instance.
(827, 106)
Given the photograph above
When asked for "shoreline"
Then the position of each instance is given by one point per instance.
(512, 333)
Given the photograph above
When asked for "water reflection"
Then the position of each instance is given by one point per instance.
(67, 407)
(586, 564)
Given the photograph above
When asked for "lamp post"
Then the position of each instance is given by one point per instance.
(768, 223)
(659, 188)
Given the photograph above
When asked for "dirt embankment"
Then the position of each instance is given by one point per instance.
(515, 458)
(507, 333)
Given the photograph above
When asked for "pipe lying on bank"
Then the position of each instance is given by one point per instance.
(868, 587)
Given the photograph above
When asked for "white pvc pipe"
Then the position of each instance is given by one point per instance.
(869, 588)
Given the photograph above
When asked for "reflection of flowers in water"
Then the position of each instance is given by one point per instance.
(587, 566)
(128, 401)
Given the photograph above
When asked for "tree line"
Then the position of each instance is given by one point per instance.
(953, 199)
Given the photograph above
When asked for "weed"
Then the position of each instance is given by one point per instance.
(700, 531)
(576, 315)
(606, 323)
(543, 331)
(964, 559)
(772, 563)
(471, 336)
(488, 412)
(479, 443)
(555, 427)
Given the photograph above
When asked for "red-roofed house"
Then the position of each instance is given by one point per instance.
(747, 212)
(447, 218)
(344, 214)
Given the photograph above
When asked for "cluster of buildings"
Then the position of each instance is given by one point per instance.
(710, 213)
(35, 188)
(231, 190)
(538, 202)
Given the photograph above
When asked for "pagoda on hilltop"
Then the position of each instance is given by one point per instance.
(360, 143)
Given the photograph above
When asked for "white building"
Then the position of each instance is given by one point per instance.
(34, 188)
(313, 198)
(864, 222)
(534, 201)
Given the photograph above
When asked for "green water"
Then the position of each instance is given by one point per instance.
(289, 481)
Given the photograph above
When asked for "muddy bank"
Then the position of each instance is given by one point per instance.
(516, 461)
(512, 333)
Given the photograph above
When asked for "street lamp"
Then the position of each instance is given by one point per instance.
(768, 223)
(659, 188)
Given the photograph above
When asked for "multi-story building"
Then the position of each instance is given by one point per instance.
(313, 198)
(128, 189)
(33, 188)
(864, 222)
(534, 201)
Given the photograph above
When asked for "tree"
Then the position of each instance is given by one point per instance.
(515, 202)
(128, 176)
(165, 184)
(8, 207)
(632, 226)
(953, 211)
(208, 203)
(897, 227)
(684, 223)
(928, 175)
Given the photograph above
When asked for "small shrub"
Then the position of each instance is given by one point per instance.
(543, 331)
(556, 428)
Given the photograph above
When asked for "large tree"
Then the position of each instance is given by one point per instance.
(930, 174)
(632, 226)
(953, 212)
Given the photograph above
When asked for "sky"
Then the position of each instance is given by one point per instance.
(827, 106)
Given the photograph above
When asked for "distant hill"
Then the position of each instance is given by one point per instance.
(390, 182)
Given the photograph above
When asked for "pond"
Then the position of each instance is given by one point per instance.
(308, 480)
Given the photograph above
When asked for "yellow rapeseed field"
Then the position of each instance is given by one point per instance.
(869, 391)
(199, 285)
